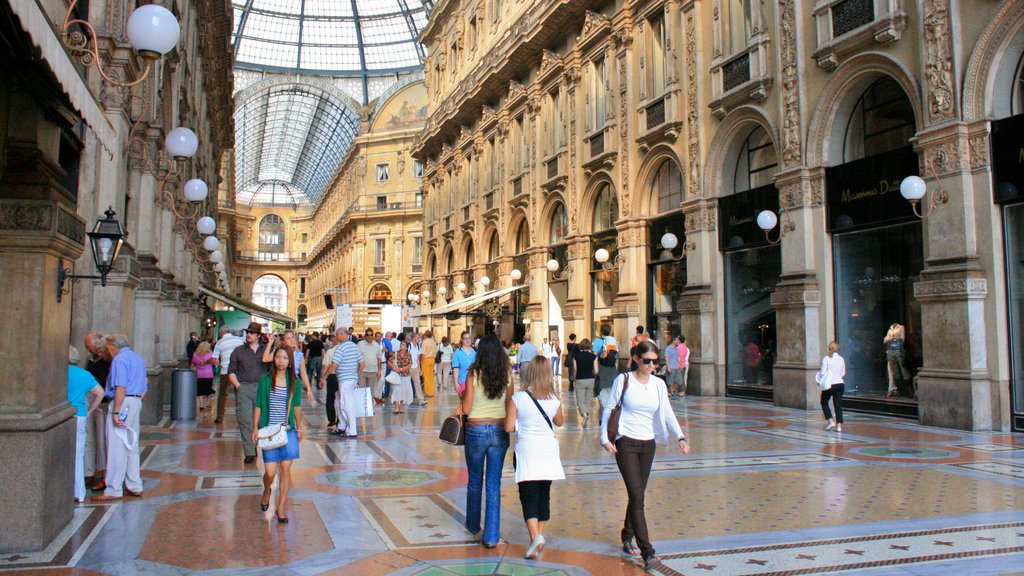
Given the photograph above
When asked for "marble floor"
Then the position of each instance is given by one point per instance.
(765, 491)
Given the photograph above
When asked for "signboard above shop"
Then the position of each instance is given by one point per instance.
(1008, 159)
(737, 218)
(865, 193)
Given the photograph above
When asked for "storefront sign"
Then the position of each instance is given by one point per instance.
(1008, 159)
(865, 193)
(737, 228)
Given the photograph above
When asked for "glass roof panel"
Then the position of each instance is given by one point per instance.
(289, 142)
(267, 35)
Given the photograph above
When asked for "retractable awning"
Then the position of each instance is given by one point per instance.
(473, 302)
(246, 306)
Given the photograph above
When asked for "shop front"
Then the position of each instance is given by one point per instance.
(752, 266)
(666, 277)
(1008, 191)
(877, 257)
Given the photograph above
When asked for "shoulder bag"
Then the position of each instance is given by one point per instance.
(275, 435)
(453, 429)
(824, 379)
(546, 419)
(613, 417)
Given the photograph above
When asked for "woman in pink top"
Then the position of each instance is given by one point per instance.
(203, 361)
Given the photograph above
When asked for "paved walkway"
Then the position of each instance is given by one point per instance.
(766, 491)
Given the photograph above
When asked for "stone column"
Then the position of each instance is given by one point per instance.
(958, 386)
(630, 298)
(39, 230)
(538, 280)
(146, 341)
(701, 299)
(800, 330)
(574, 314)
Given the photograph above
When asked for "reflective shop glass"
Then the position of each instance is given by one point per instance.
(750, 279)
(875, 271)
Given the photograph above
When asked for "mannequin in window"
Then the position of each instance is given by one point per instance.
(895, 356)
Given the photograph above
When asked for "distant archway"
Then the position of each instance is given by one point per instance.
(271, 292)
(380, 294)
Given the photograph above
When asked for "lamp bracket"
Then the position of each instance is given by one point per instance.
(64, 275)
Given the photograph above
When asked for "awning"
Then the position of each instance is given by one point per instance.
(474, 301)
(246, 306)
(38, 27)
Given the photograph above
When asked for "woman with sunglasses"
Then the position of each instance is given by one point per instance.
(646, 418)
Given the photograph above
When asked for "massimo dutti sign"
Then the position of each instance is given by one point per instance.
(737, 228)
(1008, 159)
(865, 193)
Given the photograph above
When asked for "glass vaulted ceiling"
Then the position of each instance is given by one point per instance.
(291, 137)
(329, 37)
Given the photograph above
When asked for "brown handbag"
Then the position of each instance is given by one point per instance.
(613, 417)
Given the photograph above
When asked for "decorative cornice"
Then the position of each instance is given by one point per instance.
(958, 289)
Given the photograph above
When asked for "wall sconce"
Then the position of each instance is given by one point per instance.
(426, 294)
(913, 189)
(152, 30)
(669, 242)
(556, 270)
(603, 258)
(526, 321)
(441, 291)
(767, 221)
(485, 282)
(106, 239)
(461, 287)
(515, 275)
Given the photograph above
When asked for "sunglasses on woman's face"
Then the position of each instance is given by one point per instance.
(650, 361)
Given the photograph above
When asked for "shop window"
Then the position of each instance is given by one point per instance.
(606, 209)
(1014, 226)
(666, 279)
(271, 234)
(559, 225)
(757, 162)
(666, 188)
(554, 122)
(882, 121)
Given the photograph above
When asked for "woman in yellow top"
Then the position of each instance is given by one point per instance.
(485, 402)
(279, 400)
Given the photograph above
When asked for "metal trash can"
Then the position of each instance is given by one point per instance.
(183, 394)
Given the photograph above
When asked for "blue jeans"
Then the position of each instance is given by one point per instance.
(485, 444)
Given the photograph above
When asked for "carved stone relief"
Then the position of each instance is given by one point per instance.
(693, 120)
(790, 85)
(939, 61)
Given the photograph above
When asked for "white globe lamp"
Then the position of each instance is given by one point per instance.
(461, 286)
(515, 275)
(485, 281)
(426, 293)
(552, 265)
(913, 188)
(216, 256)
(442, 290)
(767, 220)
(219, 266)
(153, 31)
(669, 241)
(206, 225)
(601, 255)
(211, 243)
(196, 190)
(181, 143)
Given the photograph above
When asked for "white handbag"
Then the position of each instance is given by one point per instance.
(275, 435)
(393, 378)
(824, 380)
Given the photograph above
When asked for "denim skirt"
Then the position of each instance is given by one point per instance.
(289, 451)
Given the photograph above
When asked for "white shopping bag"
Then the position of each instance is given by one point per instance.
(363, 403)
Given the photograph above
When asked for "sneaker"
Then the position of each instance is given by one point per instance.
(830, 426)
(424, 403)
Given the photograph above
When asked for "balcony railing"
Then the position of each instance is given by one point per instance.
(736, 72)
(656, 114)
(849, 15)
(552, 167)
(489, 200)
(597, 144)
(256, 256)
(517, 186)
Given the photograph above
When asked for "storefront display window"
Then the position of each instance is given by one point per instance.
(666, 278)
(1014, 225)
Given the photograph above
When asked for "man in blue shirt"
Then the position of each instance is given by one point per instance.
(462, 360)
(527, 352)
(126, 386)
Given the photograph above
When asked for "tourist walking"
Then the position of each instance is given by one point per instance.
(288, 341)
(556, 362)
(646, 417)
(369, 350)
(527, 352)
(428, 358)
(347, 363)
(125, 387)
(401, 363)
(532, 415)
(203, 360)
(673, 369)
(684, 363)
(447, 352)
(245, 372)
(222, 350)
(314, 358)
(415, 374)
(608, 359)
(278, 401)
(583, 363)
(462, 360)
(895, 358)
(570, 350)
(833, 369)
(485, 403)
(80, 384)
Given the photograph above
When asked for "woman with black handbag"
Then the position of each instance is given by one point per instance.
(637, 415)
(485, 402)
(533, 415)
(278, 402)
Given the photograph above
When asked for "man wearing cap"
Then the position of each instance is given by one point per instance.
(245, 371)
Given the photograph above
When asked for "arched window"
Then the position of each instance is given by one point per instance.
(606, 209)
(756, 163)
(1017, 98)
(272, 233)
(666, 191)
(522, 237)
(270, 292)
(882, 121)
(559, 225)
(492, 248)
(301, 313)
(469, 254)
(380, 294)
(451, 261)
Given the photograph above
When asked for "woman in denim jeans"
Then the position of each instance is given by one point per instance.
(646, 418)
(485, 403)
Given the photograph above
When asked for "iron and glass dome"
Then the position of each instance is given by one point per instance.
(329, 37)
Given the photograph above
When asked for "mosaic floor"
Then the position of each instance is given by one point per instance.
(765, 491)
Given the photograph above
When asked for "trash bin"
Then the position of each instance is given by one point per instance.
(183, 394)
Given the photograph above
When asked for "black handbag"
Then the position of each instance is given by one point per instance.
(453, 430)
